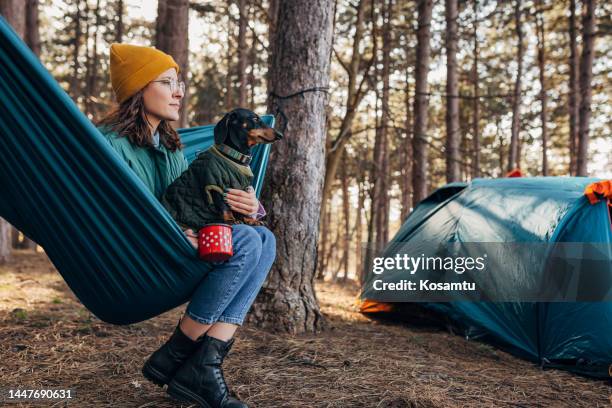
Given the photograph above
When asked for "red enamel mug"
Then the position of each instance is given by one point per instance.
(215, 242)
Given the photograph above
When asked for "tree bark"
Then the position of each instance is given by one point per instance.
(346, 216)
(406, 155)
(75, 88)
(15, 243)
(370, 247)
(376, 164)
(574, 95)
(500, 137)
(32, 39)
(119, 23)
(464, 149)
(380, 203)
(385, 120)
(272, 23)
(14, 11)
(172, 37)
(586, 75)
(323, 245)
(421, 103)
(252, 62)
(32, 33)
(359, 223)
(242, 52)
(513, 157)
(476, 101)
(5, 241)
(543, 100)
(452, 92)
(229, 89)
(88, 69)
(287, 301)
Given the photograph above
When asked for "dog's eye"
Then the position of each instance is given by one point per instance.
(244, 125)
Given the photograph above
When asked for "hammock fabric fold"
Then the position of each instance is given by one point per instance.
(62, 185)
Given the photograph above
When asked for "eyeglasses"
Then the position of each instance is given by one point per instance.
(173, 84)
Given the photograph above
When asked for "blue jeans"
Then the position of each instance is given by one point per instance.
(228, 291)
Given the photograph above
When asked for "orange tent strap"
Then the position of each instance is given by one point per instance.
(371, 306)
(603, 188)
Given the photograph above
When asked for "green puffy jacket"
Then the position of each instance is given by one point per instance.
(157, 167)
(189, 199)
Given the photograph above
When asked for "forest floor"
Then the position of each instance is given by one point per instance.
(49, 340)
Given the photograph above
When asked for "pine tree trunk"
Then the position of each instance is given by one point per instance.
(543, 100)
(385, 122)
(586, 75)
(346, 216)
(500, 137)
(419, 138)
(32, 33)
(14, 11)
(86, 92)
(119, 25)
(75, 88)
(15, 238)
(287, 301)
(229, 88)
(464, 149)
(380, 208)
(513, 157)
(172, 37)
(376, 173)
(452, 94)
(5, 241)
(574, 95)
(332, 258)
(32, 39)
(252, 62)
(326, 256)
(359, 225)
(406, 155)
(370, 246)
(476, 102)
(324, 232)
(323, 250)
(242, 53)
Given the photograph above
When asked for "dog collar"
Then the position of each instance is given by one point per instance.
(234, 154)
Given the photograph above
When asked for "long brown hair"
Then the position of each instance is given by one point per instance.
(129, 120)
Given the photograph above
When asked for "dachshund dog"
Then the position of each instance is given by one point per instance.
(196, 198)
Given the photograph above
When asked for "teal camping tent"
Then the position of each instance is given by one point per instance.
(571, 335)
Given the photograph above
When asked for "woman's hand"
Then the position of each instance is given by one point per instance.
(192, 237)
(243, 202)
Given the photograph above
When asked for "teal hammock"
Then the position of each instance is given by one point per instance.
(62, 185)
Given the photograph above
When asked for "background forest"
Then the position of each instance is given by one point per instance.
(421, 93)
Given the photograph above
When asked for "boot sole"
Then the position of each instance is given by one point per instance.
(153, 375)
(184, 395)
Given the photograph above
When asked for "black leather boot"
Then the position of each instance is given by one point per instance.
(201, 380)
(163, 363)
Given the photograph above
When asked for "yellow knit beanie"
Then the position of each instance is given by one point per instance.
(133, 67)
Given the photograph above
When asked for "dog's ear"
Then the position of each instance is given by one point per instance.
(222, 129)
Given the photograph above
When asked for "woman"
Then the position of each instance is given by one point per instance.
(149, 93)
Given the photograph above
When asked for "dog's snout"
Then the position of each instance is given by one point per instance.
(265, 135)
